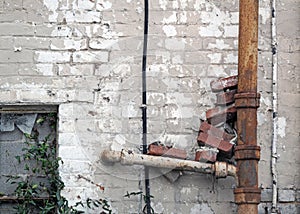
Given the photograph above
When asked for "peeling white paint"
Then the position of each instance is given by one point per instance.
(220, 18)
(45, 69)
(201, 208)
(177, 59)
(170, 19)
(169, 30)
(210, 31)
(231, 58)
(281, 126)
(215, 57)
(261, 118)
(63, 31)
(139, 10)
(185, 190)
(264, 14)
(220, 44)
(103, 5)
(183, 4)
(199, 4)
(103, 44)
(266, 101)
(159, 208)
(175, 4)
(52, 5)
(183, 17)
(163, 4)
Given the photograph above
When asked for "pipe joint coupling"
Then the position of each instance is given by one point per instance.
(247, 100)
(247, 152)
(247, 195)
(221, 169)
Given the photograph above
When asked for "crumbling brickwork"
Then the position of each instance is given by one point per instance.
(85, 56)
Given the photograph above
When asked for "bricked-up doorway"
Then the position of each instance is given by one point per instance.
(18, 124)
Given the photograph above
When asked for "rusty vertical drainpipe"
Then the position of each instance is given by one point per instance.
(247, 153)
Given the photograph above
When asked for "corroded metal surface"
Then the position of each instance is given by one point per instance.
(247, 100)
(247, 194)
(128, 157)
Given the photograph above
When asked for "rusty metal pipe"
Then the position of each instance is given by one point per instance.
(127, 157)
(247, 153)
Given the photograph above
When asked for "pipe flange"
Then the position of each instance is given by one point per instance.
(249, 195)
(221, 169)
(247, 100)
(247, 152)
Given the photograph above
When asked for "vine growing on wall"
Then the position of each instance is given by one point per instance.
(40, 190)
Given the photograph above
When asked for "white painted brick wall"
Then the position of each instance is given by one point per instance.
(85, 56)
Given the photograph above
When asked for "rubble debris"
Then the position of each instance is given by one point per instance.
(215, 142)
(217, 136)
(159, 150)
(205, 154)
(218, 131)
(219, 115)
(210, 129)
(223, 84)
(225, 98)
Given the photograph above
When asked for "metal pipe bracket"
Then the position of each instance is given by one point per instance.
(247, 152)
(247, 100)
(247, 195)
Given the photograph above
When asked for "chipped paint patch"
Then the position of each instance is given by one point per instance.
(266, 101)
(170, 19)
(185, 190)
(51, 5)
(183, 4)
(261, 118)
(45, 69)
(281, 126)
(201, 208)
(199, 4)
(169, 30)
(264, 14)
(163, 4)
(104, 5)
(231, 58)
(215, 57)
(220, 44)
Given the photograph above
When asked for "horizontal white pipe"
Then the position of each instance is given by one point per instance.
(127, 157)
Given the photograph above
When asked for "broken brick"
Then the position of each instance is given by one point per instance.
(224, 83)
(215, 142)
(206, 156)
(225, 98)
(159, 150)
(219, 115)
(210, 129)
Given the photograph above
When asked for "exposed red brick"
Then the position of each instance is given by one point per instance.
(158, 150)
(218, 115)
(225, 98)
(210, 129)
(206, 156)
(215, 142)
(224, 83)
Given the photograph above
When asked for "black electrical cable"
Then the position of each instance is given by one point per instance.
(144, 107)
